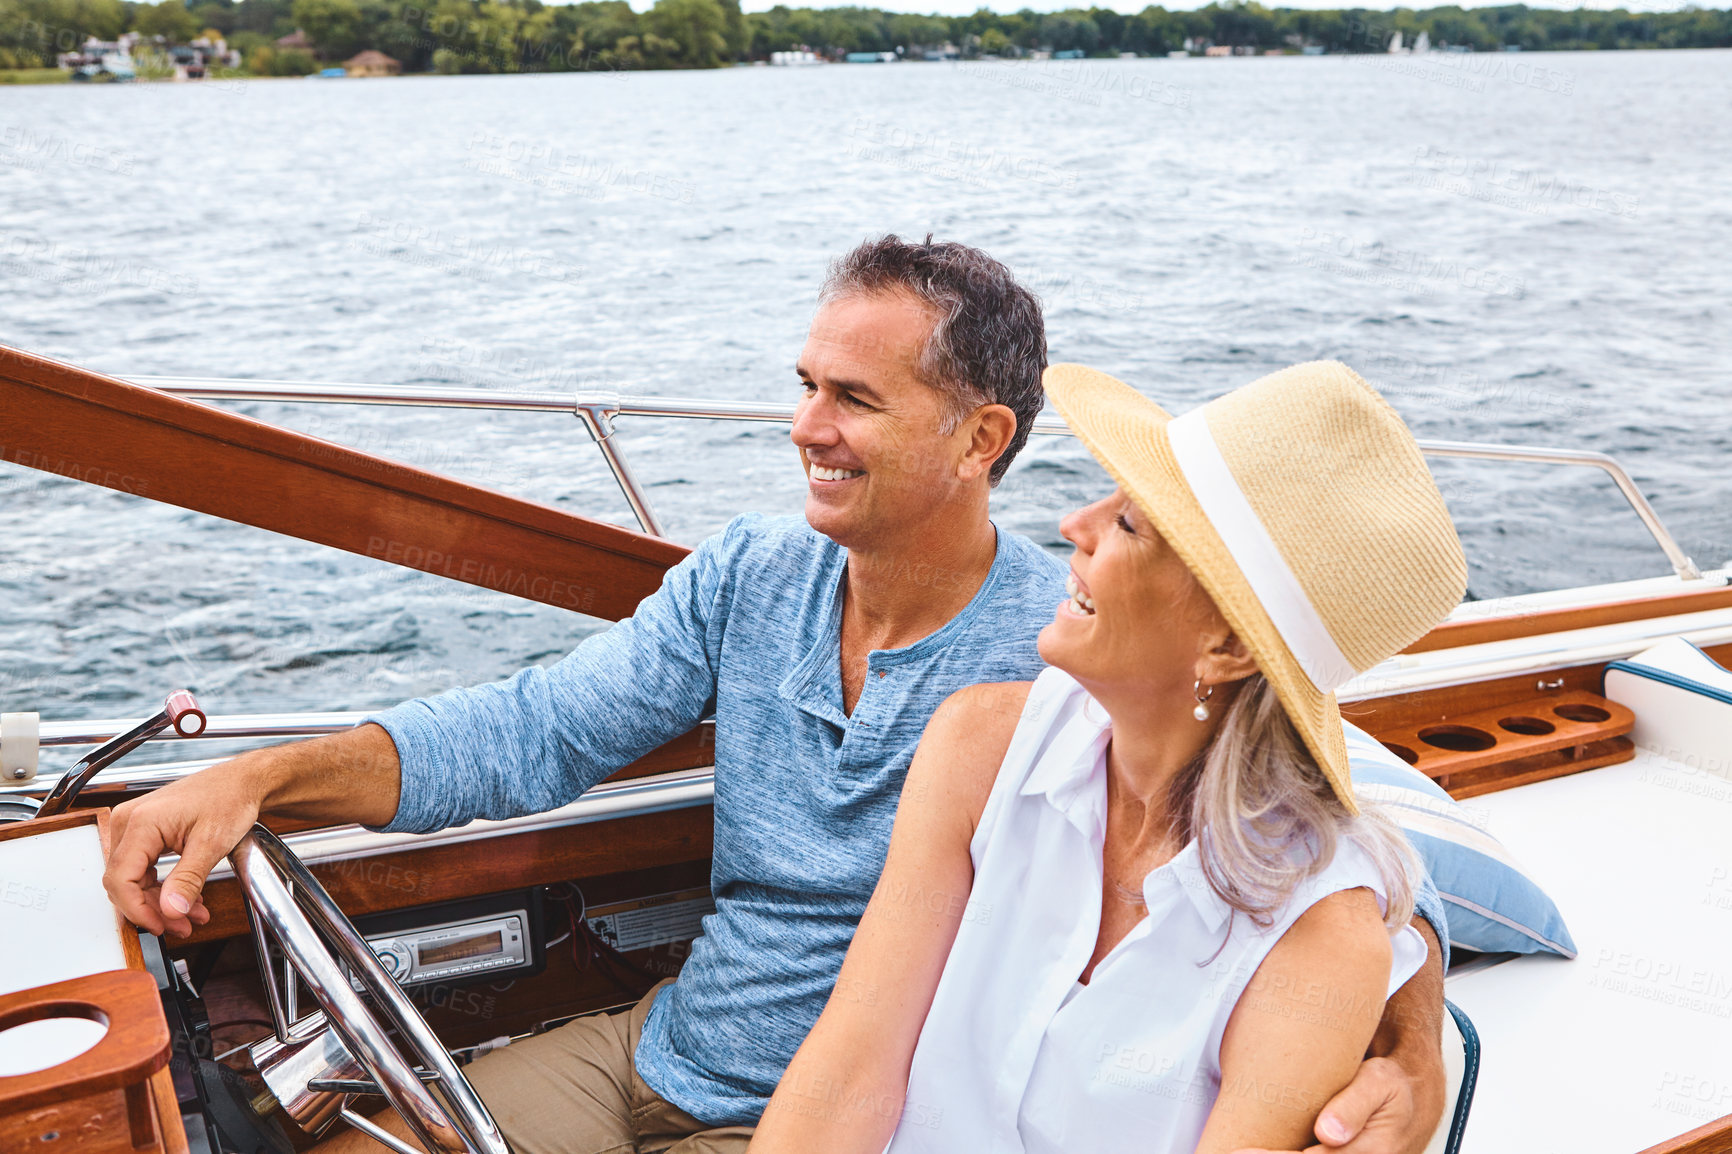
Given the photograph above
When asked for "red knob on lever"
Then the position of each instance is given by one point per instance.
(183, 710)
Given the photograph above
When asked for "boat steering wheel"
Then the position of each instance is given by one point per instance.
(286, 903)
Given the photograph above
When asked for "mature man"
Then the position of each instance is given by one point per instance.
(822, 647)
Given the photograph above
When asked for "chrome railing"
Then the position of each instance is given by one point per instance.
(1535, 656)
(231, 726)
(598, 410)
(1681, 562)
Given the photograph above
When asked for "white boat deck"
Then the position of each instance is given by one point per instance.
(1630, 1043)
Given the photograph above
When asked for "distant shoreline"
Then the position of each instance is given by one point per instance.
(375, 39)
(41, 76)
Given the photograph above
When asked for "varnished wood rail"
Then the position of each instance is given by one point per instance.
(60, 418)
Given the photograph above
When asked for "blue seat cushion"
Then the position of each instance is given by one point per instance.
(1491, 903)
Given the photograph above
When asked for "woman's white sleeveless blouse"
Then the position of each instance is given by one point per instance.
(1016, 1055)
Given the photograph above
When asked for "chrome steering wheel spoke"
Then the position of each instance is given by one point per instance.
(287, 904)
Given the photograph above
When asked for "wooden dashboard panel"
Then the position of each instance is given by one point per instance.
(437, 873)
(119, 1095)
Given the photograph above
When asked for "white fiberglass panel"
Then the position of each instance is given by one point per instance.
(56, 921)
(56, 924)
(1624, 1046)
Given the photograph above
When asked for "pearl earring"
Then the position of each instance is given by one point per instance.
(1201, 713)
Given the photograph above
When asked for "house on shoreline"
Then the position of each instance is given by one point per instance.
(372, 63)
(108, 59)
(121, 58)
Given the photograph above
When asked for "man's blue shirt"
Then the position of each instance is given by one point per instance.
(747, 628)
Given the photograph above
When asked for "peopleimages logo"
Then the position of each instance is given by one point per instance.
(1664, 981)
(26, 148)
(1512, 185)
(1076, 81)
(1695, 1096)
(416, 244)
(948, 157)
(25, 895)
(1470, 71)
(77, 470)
(84, 270)
(477, 572)
(1394, 267)
(541, 163)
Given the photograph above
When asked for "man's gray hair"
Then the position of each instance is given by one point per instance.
(988, 343)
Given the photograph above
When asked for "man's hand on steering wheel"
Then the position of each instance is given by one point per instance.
(199, 817)
(349, 776)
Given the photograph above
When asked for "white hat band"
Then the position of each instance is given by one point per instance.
(1255, 552)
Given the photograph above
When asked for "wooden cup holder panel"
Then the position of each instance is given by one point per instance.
(100, 1101)
(1494, 748)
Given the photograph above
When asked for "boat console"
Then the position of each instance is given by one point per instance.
(128, 1040)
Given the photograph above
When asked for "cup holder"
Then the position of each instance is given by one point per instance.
(1457, 738)
(47, 1042)
(1527, 726)
(1477, 750)
(1401, 751)
(1578, 711)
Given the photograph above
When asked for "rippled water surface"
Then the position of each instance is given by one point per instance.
(1516, 249)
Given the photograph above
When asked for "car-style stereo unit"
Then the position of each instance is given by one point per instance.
(478, 939)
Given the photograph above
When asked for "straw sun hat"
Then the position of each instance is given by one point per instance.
(1302, 504)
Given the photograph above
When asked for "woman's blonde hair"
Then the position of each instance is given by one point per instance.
(1268, 819)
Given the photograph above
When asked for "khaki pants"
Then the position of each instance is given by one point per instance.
(576, 1090)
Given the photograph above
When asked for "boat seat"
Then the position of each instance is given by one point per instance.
(1461, 1073)
(1622, 1047)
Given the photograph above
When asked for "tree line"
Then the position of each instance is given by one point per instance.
(530, 36)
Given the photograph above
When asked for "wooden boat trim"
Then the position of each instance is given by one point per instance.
(137, 439)
(1454, 634)
(1711, 1138)
(64, 419)
(1539, 655)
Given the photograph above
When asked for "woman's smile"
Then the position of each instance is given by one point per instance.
(1081, 603)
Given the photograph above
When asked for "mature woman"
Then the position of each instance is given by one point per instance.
(1133, 905)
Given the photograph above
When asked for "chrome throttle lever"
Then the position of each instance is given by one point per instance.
(180, 709)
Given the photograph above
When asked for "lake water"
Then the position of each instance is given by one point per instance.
(1520, 249)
